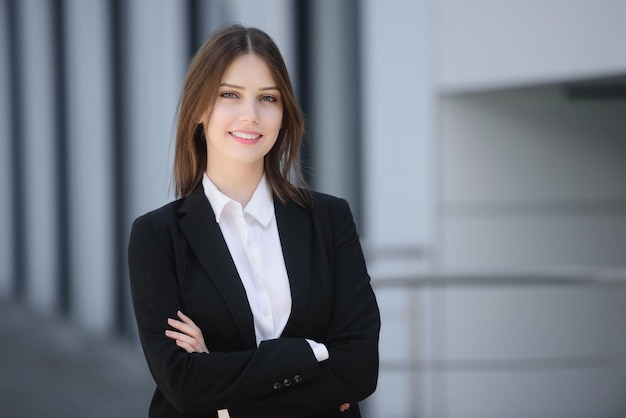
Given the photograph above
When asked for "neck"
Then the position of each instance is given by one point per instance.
(237, 182)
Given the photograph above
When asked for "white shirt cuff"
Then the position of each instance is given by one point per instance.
(319, 350)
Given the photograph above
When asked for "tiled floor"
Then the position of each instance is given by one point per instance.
(48, 369)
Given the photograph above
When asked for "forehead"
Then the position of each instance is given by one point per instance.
(249, 69)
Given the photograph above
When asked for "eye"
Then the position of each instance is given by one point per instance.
(270, 99)
(228, 95)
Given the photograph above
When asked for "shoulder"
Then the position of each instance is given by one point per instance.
(330, 209)
(160, 218)
(324, 202)
(333, 219)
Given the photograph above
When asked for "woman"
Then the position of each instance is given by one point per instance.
(251, 294)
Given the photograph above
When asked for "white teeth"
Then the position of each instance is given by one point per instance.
(243, 135)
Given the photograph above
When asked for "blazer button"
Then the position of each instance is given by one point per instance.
(287, 382)
(276, 386)
(297, 378)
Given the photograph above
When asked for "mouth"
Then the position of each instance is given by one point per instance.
(245, 136)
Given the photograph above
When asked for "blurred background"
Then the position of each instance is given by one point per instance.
(480, 143)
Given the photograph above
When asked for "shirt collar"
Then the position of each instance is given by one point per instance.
(260, 206)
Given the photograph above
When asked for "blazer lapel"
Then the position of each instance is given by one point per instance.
(205, 238)
(294, 229)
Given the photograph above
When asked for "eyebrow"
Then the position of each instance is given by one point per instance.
(234, 86)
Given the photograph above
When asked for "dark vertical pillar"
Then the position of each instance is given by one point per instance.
(64, 288)
(17, 150)
(118, 32)
(194, 26)
(304, 46)
(357, 121)
(353, 49)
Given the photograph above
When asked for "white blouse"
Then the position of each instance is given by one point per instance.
(251, 234)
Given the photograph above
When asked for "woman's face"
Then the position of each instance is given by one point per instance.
(246, 117)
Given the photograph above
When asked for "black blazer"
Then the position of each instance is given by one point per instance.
(178, 259)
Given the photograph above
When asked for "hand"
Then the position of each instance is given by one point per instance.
(189, 337)
(344, 407)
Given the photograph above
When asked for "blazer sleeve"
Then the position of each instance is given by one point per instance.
(198, 382)
(351, 372)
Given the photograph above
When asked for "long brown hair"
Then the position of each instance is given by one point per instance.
(199, 94)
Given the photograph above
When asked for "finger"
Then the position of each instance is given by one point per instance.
(184, 328)
(188, 328)
(178, 336)
(185, 342)
(188, 348)
(186, 319)
(174, 323)
(175, 335)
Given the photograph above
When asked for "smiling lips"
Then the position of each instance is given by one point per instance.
(246, 137)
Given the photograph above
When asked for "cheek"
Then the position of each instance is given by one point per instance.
(272, 116)
(220, 115)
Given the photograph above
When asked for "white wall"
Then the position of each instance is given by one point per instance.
(530, 181)
(397, 125)
(492, 43)
(532, 351)
(523, 182)
(397, 105)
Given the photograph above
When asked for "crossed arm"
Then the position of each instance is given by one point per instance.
(188, 336)
(244, 377)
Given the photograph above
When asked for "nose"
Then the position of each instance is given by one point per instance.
(249, 112)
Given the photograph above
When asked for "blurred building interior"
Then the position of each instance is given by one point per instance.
(481, 145)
